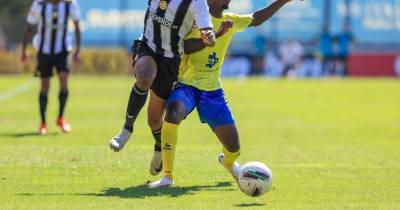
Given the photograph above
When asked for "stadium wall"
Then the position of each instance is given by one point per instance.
(373, 65)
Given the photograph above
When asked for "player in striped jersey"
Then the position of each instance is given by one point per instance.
(199, 87)
(156, 63)
(53, 44)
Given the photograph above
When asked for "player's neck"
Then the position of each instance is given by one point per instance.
(216, 11)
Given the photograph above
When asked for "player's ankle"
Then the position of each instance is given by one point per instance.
(170, 177)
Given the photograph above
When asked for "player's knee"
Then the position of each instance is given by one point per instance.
(45, 86)
(145, 71)
(154, 123)
(144, 83)
(176, 112)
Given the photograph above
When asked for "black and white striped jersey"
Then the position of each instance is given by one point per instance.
(167, 22)
(52, 20)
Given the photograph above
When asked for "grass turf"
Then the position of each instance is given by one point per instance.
(331, 144)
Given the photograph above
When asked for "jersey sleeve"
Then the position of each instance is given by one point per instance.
(200, 11)
(193, 34)
(34, 14)
(75, 11)
(241, 22)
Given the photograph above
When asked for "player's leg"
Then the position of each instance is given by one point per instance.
(62, 99)
(145, 71)
(155, 113)
(176, 112)
(179, 105)
(44, 68)
(43, 98)
(214, 110)
(61, 63)
(229, 137)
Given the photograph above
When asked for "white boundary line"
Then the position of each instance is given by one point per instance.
(17, 91)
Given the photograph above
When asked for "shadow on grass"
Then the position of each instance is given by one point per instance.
(250, 205)
(143, 191)
(25, 135)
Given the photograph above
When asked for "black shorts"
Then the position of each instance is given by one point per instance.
(46, 64)
(167, 72)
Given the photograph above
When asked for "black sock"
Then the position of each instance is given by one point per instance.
(137, 99)
(157, 138)
(43, 105)
(62, 98)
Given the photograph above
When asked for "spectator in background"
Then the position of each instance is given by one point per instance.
(3, 45)
(291, 53)
(344, 42)
(311, 67)
(273, 65)
(326, 50)
(260, 42)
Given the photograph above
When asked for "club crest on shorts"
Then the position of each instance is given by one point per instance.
(163, 5)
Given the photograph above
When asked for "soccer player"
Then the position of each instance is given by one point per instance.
(167, 22)
(345, 41)
(53, 45)
(199, 87)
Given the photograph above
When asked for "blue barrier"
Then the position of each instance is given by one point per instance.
(118, 22)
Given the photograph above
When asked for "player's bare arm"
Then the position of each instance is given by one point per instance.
(76, 56)
(262, 15)
(196, 45)
(27, 35)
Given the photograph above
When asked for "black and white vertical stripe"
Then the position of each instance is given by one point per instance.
(165, 30)
(54, 27)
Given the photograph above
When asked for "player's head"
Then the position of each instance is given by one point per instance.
(221, 4)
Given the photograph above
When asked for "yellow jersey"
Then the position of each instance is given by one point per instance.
(202, 70)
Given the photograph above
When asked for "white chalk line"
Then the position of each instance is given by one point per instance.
(17, 91)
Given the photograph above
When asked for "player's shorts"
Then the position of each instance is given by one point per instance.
(167, 71)
(46, 64)
(212, 106)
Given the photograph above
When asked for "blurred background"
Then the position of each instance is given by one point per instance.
(314, 38)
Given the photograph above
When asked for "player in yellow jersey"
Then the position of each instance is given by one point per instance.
(199, 87)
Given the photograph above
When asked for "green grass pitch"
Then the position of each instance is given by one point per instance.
(331, 144)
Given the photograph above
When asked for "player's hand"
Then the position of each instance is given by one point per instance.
(24, 57)
(76, 57)
(224, 28)
(208, 37)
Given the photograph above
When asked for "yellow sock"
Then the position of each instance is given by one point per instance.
(169, 138)
(229, 157)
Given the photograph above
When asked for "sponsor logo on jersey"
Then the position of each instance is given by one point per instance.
(162, 21)
(212, 60)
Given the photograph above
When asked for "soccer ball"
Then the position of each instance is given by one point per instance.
(254, 178)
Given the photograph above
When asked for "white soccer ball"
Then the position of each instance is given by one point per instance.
(254, 178)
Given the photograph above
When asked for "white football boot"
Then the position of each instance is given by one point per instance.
(163, 182)
(119, 141)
